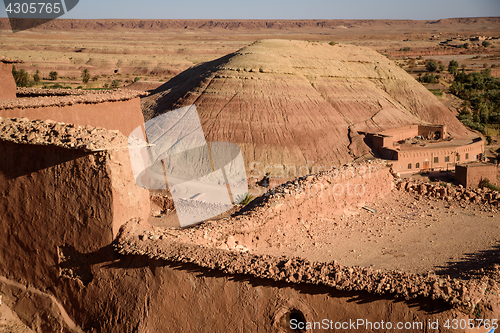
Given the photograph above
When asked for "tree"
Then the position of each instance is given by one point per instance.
(85, 76)
(431, 66)
(453, 67)
(95, 78)
(483, 113)
(22, 78)
(36, 76)
(53, 75)
(136, 79)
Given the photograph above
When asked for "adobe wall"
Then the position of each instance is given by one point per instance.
(425, 130)
(140, 293)
(400, 133)
(122, 115)
(471, 175)
(73, 189)
(7, 83)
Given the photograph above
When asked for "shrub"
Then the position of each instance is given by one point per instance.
(431, 66)
(485, 182)
(53, 75)
(405, 49)
(244, 199)
(136, 79)
(453, 67)
(486, 43)
(429, 78)
(115, 84)
(332, 43)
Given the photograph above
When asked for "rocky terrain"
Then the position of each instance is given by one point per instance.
(40, 132)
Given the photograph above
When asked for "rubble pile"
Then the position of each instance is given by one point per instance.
(458, 194)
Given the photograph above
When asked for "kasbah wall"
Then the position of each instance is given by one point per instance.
(62, 206)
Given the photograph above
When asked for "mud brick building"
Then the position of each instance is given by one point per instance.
(421, 148)
(469, 175)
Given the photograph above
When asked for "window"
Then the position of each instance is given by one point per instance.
(458, 157)
(436, 159)
(409, 165)
(466, 156)
(447, 158)
(417, 166)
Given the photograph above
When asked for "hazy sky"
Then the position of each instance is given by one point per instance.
(281, 9)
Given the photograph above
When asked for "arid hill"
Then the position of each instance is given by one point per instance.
(466, 24)
(300, 103)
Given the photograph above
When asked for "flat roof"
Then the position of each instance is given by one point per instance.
(430, 146)
(475, 164)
